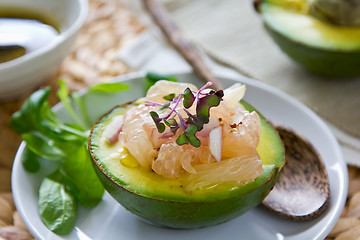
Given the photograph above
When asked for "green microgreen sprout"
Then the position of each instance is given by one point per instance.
(169, 97)
(191, 123)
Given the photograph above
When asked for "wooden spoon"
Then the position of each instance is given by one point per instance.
(302, 191)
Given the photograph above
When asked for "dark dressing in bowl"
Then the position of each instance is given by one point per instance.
(23, 31)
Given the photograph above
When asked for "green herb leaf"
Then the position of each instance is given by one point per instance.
(204, 104)
(86, 186)
(42, 146)
(194, 120)
(190, 134)
(152, 78)
(172, 123)
(193, 123)
(169, 97)
(219, 94)
(63, 95)
(111, 87)
(167, 123)
(36, 115)
(57, 206)
(189, 98)
(164, 107)
(194, 141)
(197, 121)
(189, 137)
(30, 161)
(47, 137)
(160, 126)
(182, 139)
(75, 97)
(31, 113)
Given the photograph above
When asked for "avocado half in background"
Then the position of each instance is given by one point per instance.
(322, 35)
(163, 201)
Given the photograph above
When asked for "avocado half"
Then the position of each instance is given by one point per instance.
(164, 201)
(323, 47)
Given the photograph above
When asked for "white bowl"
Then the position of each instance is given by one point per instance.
(25, 73)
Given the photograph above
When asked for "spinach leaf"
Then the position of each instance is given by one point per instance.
(63, 95)
(152, 78)
(86, 186)
(41, 145)
(30, 114)
(30, 161)
(36, 115)
(57, 206)
(48, 137)
(80, 103)
(109, 87)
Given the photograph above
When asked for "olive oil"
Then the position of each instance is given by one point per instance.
(23, 31)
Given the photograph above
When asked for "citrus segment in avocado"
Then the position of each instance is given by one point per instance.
(165, 201)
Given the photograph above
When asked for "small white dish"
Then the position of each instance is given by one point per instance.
(109, 220)
(27, 72)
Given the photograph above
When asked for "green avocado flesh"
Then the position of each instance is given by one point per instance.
(164, 201)
(324, 48)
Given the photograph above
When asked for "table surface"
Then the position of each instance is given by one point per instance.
(109, 27)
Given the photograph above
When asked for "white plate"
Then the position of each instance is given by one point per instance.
(109, 220)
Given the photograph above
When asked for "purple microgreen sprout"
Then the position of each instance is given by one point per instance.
(155, 116)
(157, 120)
(172, 123)
(173, 109)
(193, 120)
(164, 107)
(189, 98)
(205, 86)
(205, 103)
(151, 103)
(189, 137)
(182, 122)
(192, 123)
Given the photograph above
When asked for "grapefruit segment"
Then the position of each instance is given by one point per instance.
(238, 171)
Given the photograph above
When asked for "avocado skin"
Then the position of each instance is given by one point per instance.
(185, 214)
(324, 62)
